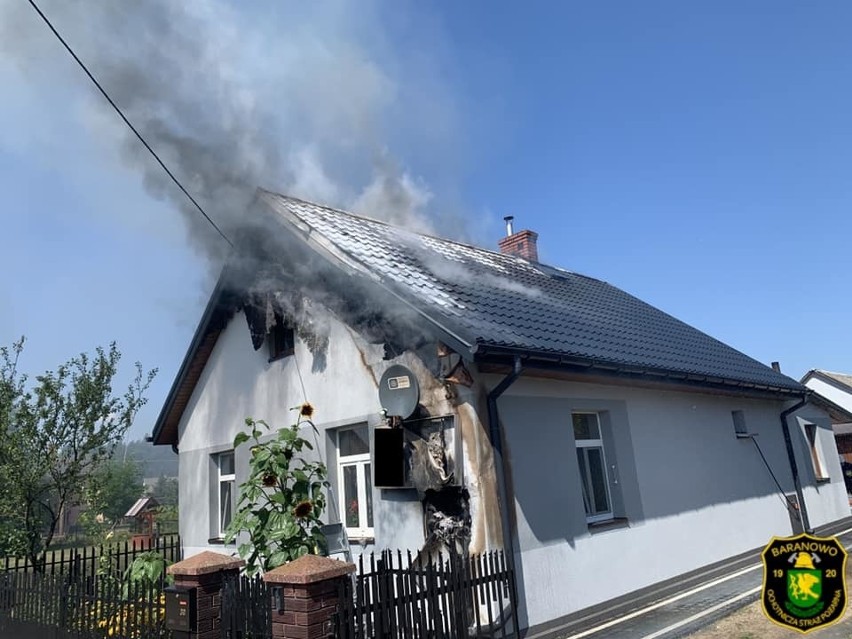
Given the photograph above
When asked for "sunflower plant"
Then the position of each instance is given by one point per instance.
(281, 501)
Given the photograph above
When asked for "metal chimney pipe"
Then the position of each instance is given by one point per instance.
(508, 219)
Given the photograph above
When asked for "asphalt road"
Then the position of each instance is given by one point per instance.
(699, 604)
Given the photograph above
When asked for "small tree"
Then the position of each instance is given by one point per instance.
(282, 500)
(113, 488)
(54, 436)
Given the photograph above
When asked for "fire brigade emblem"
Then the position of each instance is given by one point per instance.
(804, 585)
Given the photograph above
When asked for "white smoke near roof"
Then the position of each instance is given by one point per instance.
(396, 197)
(302, 98)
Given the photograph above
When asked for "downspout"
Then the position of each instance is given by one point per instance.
(794, 468)
(499, 462)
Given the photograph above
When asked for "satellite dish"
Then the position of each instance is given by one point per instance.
(398, 391)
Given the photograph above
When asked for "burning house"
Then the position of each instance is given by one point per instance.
(537, 410)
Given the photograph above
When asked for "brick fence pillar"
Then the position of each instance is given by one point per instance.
(206, 571)
(309, 588)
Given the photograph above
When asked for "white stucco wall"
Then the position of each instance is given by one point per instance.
(239, 382)
(692, 493)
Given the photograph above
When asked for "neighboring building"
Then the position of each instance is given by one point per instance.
(837, 388)
(624, 439)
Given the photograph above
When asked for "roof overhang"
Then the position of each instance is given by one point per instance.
(837, 413)
(828, 379)
(571, 366)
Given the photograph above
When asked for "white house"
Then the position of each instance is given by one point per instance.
(835, 388)
(625, 442)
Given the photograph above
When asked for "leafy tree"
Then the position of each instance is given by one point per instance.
(282, 499)
(55, 434)
(114, 487)
(165, 491)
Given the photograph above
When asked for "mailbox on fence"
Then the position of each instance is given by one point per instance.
(180, 608)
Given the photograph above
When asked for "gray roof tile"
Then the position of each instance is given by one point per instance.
(501, 300)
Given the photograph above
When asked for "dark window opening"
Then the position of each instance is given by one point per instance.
(281, 339)
(740, 426)
(816, 457)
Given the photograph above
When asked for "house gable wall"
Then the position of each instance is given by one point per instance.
(239, 382)
(833, 392)
(343, 386)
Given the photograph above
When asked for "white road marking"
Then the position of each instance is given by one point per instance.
(703, 613)
(660, 604)
(683, 595)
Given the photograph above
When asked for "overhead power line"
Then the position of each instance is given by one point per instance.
(129, 123)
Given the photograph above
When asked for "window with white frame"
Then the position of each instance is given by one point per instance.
(591, 460)
(226, 492)
(354, 472)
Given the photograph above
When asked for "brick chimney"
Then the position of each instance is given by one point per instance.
(522, 243)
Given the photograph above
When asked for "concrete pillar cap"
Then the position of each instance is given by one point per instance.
(308, 569)
(205, 563)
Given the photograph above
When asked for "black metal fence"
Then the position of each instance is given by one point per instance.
(37, 606)
(246, 608)
(87, 561)
(445, 597)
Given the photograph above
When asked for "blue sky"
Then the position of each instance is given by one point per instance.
(694, 154)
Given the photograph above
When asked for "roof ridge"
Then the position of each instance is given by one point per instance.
(823, 370)
(430, 236)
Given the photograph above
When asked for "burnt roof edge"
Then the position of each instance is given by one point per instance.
(341, 259)
(216, 307)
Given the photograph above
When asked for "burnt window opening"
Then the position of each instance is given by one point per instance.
(281, 339)
(429, 449)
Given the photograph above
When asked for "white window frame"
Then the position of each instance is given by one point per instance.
(587, 444)
(223, 478)
(360, 462)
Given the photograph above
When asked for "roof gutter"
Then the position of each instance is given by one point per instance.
(791, 456)
(496, 437)
(545, 360)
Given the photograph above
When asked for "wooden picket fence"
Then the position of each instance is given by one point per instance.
(246, 608)
(444, 597)
(85, 562)
(60, 606)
